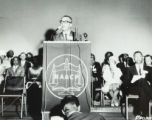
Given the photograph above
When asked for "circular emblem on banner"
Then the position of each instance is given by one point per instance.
(66, 74)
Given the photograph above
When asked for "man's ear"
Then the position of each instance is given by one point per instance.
(79, 108)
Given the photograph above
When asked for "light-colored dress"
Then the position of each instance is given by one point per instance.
(111, 77)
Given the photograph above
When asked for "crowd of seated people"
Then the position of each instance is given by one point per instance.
(28, 66)
(115, 78)
(123, 78)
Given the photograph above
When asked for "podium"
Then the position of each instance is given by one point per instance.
(66, 72)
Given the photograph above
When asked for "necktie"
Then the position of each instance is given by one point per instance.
(139, 70)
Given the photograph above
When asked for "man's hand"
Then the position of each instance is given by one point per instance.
(135, 78)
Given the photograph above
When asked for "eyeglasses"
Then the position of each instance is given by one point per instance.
(66, 21)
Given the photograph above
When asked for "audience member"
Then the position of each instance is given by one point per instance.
(9, 56)
(96, 77)
(129, 62)
(138, 79)
(111, 75)
(56, 113)
(124, 62)
(71, 108)
(34, 92)
(148, 60)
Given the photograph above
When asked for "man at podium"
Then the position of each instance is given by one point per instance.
(64, 32)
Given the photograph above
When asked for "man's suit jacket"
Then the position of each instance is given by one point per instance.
(131, 71)
(76, 37)
(85, 116)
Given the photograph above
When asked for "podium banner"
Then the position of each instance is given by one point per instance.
(66, 72)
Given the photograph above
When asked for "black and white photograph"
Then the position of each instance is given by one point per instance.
(75, 59)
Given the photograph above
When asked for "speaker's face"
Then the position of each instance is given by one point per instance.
(66, 23)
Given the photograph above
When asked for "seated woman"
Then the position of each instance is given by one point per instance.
(111, 76)
(34, 92)
(15, 69)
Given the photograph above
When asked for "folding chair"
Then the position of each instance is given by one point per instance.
(14, 87)
(150, 105)
(127, 103)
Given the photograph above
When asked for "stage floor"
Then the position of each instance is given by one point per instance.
(109, 113)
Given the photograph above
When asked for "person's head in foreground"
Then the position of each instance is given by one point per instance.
(70, 104)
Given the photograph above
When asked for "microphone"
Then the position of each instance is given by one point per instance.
(59, 29)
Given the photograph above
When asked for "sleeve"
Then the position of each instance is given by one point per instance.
(8, 72)
(106, 73)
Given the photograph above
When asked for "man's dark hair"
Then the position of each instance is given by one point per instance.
(137, 52)
(10, 54)
(148, 56)
(70, 99)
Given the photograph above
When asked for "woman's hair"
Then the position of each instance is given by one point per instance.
(12, 60)
(70, 99)
(107, 55)
(35, 61)
(129, 61)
